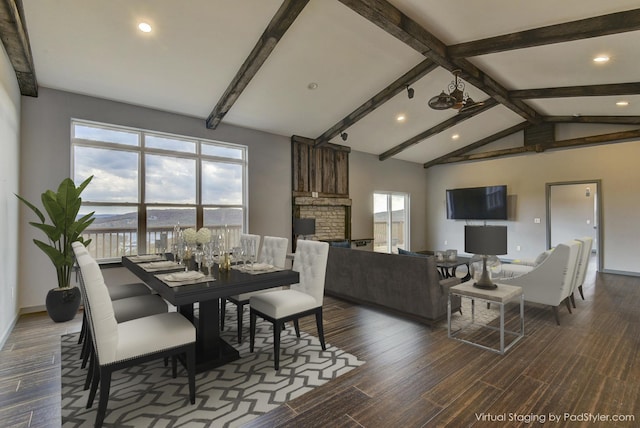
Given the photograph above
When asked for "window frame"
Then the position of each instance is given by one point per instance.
(141, 205)
(389, 210)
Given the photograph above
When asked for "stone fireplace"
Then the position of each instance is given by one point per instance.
(320, 188)
(332, 215)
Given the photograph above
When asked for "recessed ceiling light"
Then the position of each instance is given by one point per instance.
(401, 118)
(601, 59)
(312, 86)
(622, 103)
(144, 27)
(455, 136)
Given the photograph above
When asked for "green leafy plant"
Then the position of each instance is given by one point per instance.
(65, 228)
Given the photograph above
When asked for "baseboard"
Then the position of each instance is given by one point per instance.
(32, 309)
(619, 272)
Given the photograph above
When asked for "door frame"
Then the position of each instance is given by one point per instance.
(599, 215)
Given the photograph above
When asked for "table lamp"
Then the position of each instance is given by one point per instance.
(304, 227)
(486, 242)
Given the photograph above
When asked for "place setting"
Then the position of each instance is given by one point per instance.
(176, 279)
(256, 268)
(142, 258)
(160, 265)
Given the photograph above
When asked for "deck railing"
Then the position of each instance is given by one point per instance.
(111, 244)
(380, 231)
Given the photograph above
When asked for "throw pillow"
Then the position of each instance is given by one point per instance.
(342, 244)
(410, 253)
(542, 256)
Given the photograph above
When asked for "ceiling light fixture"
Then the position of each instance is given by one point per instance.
(622, 103)
(455, 136)
(312, 86)
(601, 59)
(410, 92)
(401, 118)
(456, 98)
(344, 136)
(144, 27)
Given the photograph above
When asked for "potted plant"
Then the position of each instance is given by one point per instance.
(62, 208)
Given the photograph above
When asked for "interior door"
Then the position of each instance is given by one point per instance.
(573, 210)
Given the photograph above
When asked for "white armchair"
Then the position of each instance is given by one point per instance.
(585, 255)
(521, 266)
(550, 282)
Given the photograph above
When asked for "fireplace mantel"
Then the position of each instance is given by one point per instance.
(330, 202)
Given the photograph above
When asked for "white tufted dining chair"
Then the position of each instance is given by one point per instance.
(120, 345)
(273, 252)
(302, 299)
(251, 237)
(126, 306)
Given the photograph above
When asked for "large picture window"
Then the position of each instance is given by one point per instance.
(147, 182)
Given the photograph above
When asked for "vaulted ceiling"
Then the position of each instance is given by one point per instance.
(317, 69)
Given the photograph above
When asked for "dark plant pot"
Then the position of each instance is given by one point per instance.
(63, 303)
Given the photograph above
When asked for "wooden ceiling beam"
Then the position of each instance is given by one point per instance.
(598, 26)
(377, 100)
(612, 120)
(280, 23)
(477, 144)
(578, 91)
(15, 38)
(614, 137)
(617, 137)
(311, 142)
(452, 121)
(393, 21)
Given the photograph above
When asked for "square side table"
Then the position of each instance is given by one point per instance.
(500, 296)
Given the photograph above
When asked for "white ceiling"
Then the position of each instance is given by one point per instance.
(93, 47)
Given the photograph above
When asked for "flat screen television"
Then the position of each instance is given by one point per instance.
(477, 203)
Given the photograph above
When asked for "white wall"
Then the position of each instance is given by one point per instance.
(45, 161)
(526, 176)
(9, 162)
(46, 157)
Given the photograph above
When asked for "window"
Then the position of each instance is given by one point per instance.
(390, 221)
(146, 182)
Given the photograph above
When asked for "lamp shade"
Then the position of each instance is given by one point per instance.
(489, 240)
(304, 226)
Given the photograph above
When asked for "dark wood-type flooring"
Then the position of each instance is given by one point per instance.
(414, 375)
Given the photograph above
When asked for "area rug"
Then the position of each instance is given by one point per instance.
(229, 396)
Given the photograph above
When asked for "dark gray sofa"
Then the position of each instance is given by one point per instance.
(408, 285)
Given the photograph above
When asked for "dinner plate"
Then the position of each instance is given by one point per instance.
(183, 276)
(260, 266)
(163, 264)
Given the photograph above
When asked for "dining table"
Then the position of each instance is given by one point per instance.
(211, 349)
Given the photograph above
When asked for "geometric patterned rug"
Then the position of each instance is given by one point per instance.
(228, 396)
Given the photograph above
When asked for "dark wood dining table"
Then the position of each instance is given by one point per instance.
(211, 350)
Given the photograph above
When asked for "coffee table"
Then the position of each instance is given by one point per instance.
(500, 296)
